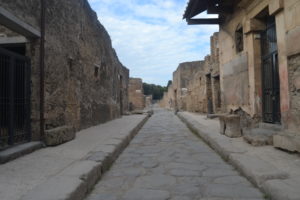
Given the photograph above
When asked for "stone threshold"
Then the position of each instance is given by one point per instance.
(261, 165)
(17, 151)
(78, 179)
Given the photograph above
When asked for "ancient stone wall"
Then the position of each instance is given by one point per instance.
(124, 90)
(292, 19)
(136, 94)
(236, 82)
(29, 12)
(294, 82)
(84, 87)
(181, 78)
(168, 100)
(196, 85)
(204, 88)
(148, 101)
(84, 79)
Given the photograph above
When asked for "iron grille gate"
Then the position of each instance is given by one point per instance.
(270, 74)
(14, 98)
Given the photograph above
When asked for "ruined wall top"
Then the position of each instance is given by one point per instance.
(136, 84)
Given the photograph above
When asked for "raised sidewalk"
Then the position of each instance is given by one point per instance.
(68, 171)
(275, 172)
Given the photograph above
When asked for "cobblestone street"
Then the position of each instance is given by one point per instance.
(167, 161)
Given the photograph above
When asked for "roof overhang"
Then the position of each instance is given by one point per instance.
(196, 7)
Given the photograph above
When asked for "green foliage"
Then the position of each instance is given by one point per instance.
(156, 91)
(169, 83)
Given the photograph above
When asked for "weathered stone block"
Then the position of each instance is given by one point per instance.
(222, 126)
(259, 136)
(254, 25)
(59, 135)
(287, 141)
(282, 189)
(236, 81)
(256, 169)
(58, 187)
(232, 125)
(293, 37)
(275, 6)
(136, 94)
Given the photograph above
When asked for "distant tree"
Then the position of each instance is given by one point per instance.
(169, 83)
(156, 91)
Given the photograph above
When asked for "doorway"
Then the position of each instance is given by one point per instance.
(121, 95)
(14, 97)
(209, 94)
(270, 74)
(217, 93)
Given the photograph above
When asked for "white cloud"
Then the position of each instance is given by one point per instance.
(151, 38)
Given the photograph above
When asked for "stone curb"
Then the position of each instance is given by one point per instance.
(79, 178)
(18, 151)
(272, 181)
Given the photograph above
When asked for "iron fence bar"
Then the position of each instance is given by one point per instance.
(11, 82)
(27, 100)
(15, 98)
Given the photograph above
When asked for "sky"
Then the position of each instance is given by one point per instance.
(150, 36)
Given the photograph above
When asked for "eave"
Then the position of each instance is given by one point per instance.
(196, 7)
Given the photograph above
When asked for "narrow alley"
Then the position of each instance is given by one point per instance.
(167, 161)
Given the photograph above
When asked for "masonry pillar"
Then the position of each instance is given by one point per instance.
(276, 9)
(253, 42)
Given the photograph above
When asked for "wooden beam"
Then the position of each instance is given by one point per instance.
(219, 10)
(203, 21)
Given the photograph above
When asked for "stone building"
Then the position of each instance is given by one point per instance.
(136, 94)
(148, 100)
(181, 78)
(204, 94)
(60, 69)
(168, 100)
(196, 85)
(259, 63)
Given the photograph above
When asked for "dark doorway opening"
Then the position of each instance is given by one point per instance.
(270, 73)
(14, 96)
(15, 48)
(217, 92)
(175, 101)
(209, 94)
(121, 95)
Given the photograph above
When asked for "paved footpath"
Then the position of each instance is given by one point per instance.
(275, 171)
(165, 161)
(68, 171)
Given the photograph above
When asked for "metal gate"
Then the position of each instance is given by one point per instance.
(270, 74)
(14, 98)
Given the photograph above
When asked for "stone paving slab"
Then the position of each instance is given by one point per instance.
(68, 171)
(166, 161)
(274, 171)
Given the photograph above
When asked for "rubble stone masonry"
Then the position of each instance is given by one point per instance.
(294, 85)
(181, 79)
(204, 88)
(196, 85)
(136, 94)
(85, 83)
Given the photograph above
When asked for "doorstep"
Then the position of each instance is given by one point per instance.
(18, 151)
